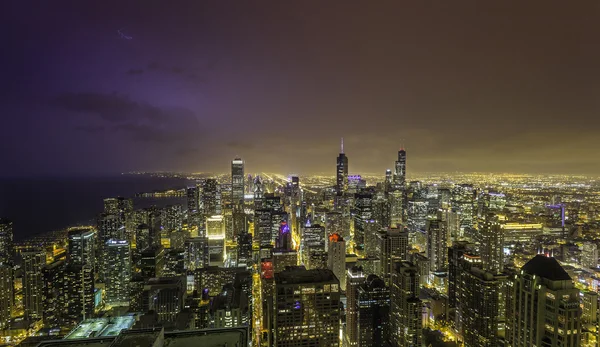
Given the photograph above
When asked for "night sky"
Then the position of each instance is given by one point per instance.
(495, 86)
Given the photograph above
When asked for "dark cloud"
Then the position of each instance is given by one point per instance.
(140, 122)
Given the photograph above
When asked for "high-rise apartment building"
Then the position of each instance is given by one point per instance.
(437, 244)
(33, 283)
(491, 244)
(118, 274)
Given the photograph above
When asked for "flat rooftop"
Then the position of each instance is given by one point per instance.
(101, 327)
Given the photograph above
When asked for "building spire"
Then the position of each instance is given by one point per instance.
(342, 146)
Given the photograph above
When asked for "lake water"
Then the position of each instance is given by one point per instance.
(39, 205)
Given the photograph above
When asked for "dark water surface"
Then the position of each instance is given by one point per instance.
(39, 205)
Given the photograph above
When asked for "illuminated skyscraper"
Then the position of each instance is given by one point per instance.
(392, 247)
(237, 181)
(118, 275)
(399, 179)
(33, 284)
(354, 279)
(80, 274)
(543, 307)
(491, 244)
(336, 258)
(437, 244)
(6, 271)
(307, 308)
(406, 314)
(211, 198)
(341, 172)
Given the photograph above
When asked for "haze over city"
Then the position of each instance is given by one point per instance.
(108, 86)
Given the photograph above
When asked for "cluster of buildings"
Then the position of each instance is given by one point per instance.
(285, 263)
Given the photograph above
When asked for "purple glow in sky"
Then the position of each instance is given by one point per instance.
(465, 86)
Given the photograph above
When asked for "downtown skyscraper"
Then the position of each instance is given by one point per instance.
(341, 172)
(237, 181)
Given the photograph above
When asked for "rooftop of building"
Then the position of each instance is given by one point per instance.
(299, 274)
(546, 267)
(158, 338)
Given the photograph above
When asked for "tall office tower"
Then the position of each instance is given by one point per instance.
(363, 214)
(244, 249)
(543, 307)
(258, 189)
(6, 271)
(192, 199)
(417, 214)
(262, 227)
(455, 265)
(388, 180)
(437, 244)
(589, 255)
(392, 247)
(171, 217)
(196, 253)
(463, 200)
(381, 210)
(33, 283)
(406, 307)
(54, 293)
(152, 262)
(310, 318)
(293, 203)
(354, 279)
(80, 272)
(341, 184)
(237, 181)
(211, 197)
(480, 294)
(373, 306)
(336, 258)
(396, 198)
(491, 244)
(273, 202)
(118, 275)
(249, 186)
(399, 179)
(284, 237)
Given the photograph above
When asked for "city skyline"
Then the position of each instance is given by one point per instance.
(486, 87)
